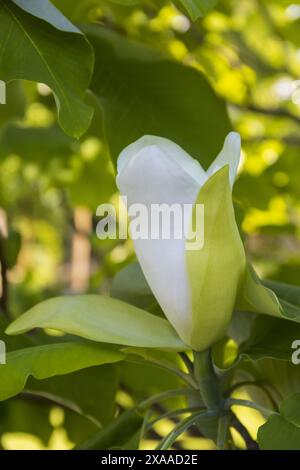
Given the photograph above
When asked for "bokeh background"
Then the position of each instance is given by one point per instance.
(51, 185)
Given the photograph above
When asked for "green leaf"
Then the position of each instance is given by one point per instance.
(15, 103)
(258, 298)
(143, 93)
(282, 432)
(102, 319)
(48, 361)
(44, 10)
(179, 429)
(117, 433)
(289, 408)
(26, 416)
(152, 380)
(266, 357)
(165, 360)
(208, 426)
(198, 8)
(40, 44)
(270, 338)
(36, 144)
(130, 285)
(254, 297)
(286, 292)
(92, 390)
(215, 270)
(281, 376)
(278, 434)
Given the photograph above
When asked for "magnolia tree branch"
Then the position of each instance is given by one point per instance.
(243, 431)
(277, 112)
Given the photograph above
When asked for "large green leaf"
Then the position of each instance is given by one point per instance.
(92, 390)
(266, 357)
(152, 380)
(270, 338)
(117, 433)
(38, 43)
(278, 434)
(269, 342)
(289, 408)
(48, 361)
(26, 416)
(281, 375)
(143, 93)
(36, 144)
(282, 432)
(100, 318)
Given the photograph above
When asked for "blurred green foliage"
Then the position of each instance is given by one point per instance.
(157, 70)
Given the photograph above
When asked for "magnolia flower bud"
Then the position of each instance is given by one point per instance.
(196, 289)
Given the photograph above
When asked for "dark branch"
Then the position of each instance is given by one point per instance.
(187, 362)
(243, 431)
(277, 112)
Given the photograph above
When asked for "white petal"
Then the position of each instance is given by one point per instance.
(189, 164)
(229, 155)
(156, 175)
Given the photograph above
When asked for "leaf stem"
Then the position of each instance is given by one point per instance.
(174, 413)
(181, 428)
(250, 404)
(207, 380)
(148, 402)
(223, 426)
(259, 384)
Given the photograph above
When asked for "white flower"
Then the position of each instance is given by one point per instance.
(155, 170)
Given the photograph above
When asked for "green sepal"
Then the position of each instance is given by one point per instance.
(215, 270)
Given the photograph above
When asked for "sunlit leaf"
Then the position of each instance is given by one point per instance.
(282, 432)
(40, 44)
(102, 319)
(48, 361)
(91, 389)
(258, 298)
